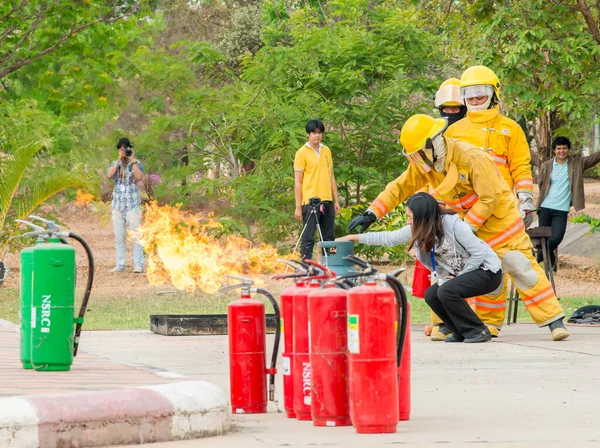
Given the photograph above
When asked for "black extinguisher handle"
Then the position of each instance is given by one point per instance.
(268, 295)
(88, 288)
(402, 312)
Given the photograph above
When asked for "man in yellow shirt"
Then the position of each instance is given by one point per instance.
(315, 189)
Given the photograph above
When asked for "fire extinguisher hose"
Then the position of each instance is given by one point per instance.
(88, 288)
(402, 311)
(268, 295)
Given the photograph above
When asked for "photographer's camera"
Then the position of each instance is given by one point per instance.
(315, 202)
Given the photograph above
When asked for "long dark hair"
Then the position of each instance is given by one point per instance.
(427, 229)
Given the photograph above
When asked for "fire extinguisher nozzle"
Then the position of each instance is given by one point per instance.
(271, 392)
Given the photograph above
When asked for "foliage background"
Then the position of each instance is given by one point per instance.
(215, 95)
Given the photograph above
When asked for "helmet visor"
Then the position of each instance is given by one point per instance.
(449, 95)
(476, 91)
(422, 158)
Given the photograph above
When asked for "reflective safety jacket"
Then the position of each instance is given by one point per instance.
(471, 185)
(503, 139)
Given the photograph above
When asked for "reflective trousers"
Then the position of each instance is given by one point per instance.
(529, 279)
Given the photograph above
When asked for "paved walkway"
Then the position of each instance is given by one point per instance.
(88, 373)
(100, 402)
(521, 390)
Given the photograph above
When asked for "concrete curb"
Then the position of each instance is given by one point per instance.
(161, 413)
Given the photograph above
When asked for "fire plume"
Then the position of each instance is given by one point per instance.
(83, 198)
(186, 250)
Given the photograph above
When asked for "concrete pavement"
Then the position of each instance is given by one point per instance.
(100, 402)
(521, 389)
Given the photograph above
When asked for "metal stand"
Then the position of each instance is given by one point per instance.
(313, 212)
(539, 239)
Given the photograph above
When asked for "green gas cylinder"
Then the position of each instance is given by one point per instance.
(53, 301)
(335, 260)
(26, 302)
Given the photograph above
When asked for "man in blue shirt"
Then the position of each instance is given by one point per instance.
(126, 172)
(561, 185)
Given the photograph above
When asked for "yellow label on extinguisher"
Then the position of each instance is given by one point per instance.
(282, 333)
(353, 334)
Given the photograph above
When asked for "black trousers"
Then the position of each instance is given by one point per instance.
(557, 220)
(448, 300)
(324, 215)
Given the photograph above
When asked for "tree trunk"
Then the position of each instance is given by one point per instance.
(184, 161)
(539, 142)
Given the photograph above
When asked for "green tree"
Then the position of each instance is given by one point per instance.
(542, 52)
(361, 67)
(31, 29)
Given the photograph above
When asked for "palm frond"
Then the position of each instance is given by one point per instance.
(37, 193)
(12, 171)
(28, 199)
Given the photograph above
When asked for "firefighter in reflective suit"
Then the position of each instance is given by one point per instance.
(466, 179)
(504, 140)
(448, 100)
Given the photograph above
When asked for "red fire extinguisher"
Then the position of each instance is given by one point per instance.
(327, 311)
(373, 384)
(247, 349)
(328, 340)
(403, 347)
(373, 345)
(301, 373)
(287, 322)
(287, 357)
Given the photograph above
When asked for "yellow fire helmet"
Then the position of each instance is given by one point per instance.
(479, 75)
(448, 94)
(418, 129)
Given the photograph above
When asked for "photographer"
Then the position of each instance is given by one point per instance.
(315, 189)
(126, 172)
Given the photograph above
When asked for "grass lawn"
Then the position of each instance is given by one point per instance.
(120, 313)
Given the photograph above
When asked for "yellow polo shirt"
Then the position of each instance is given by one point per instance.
(317, 172)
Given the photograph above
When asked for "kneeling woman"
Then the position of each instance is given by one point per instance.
(461, 264)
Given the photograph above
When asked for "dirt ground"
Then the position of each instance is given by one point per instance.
(577, 276)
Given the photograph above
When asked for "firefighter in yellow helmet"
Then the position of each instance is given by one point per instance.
(504, 140)
(466, 179)
(449, 103)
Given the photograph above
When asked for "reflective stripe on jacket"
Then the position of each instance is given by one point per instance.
(471, 185)
(503, 139)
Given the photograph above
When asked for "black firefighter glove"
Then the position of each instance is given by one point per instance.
(364, 220)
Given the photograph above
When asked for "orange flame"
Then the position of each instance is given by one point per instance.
(83, 198)
(184, 249)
